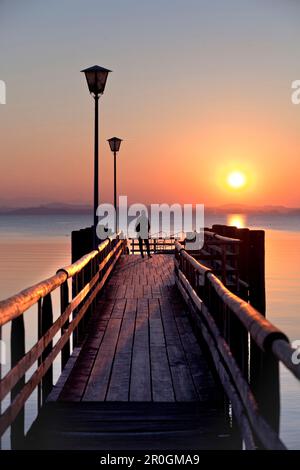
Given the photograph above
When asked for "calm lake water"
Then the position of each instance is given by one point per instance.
(34, 247)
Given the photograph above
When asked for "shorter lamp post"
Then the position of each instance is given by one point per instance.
(115, 144)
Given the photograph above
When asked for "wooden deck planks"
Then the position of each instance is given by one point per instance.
(140, 388)
(162, 385)
(140, 345)
(75, 385)
(201, 375)
(98, 381)
(131, 426)
(140, 380)
(120, 378)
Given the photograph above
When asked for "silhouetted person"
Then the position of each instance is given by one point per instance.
(142, 229)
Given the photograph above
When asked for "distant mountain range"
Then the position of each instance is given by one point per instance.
(51, 208)
(63, 208)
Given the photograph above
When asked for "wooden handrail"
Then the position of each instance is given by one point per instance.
(200, 268)
(221, 238)
(225, 320)
(264, 430)
(17, 304)
(89, 275)
(74, 268)
(261, 330)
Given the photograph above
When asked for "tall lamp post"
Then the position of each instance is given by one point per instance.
(115, 143)
(96, 79)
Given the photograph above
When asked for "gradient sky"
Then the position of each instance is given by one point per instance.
(199, 88)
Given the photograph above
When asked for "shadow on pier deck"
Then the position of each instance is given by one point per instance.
(140, 379)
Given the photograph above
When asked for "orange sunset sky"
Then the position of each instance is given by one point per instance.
(199, 88)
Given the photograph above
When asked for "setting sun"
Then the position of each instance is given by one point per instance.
(236, 179)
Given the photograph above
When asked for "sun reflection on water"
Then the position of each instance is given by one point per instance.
(237, 220)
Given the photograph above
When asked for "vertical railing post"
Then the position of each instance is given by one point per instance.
(257, 270)
(223, 267)
(265, 384)
(75, 290)
(93, 265)
(40, 334)
(64, 302)
(264, 374)
(47, 321)
(85, 277)
(17, 352)
(238, 342)
(270, 404)
(243, 260)
(89, 274)
(81, 282)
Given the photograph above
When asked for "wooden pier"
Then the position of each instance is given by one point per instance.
(140, 373)
(140, 345)
(155, 353)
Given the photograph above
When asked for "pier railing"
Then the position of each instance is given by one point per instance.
(222, 255)
(235, 255)
(88, 276)
(157, 245)
(245, 347)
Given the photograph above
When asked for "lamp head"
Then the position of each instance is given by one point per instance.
(96, 77)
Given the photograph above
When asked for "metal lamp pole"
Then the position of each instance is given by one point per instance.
(115, 190)
(96, 77)
(96, 160)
